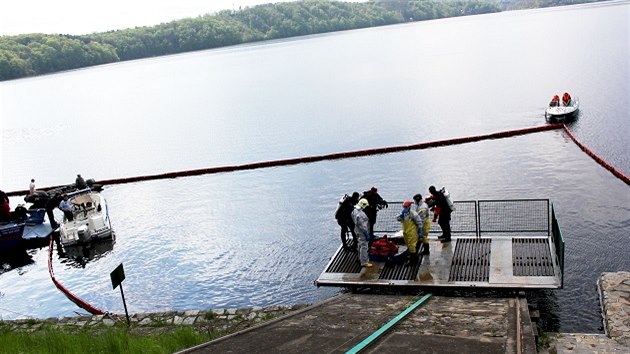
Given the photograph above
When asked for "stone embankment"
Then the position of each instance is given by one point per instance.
(614, 295)
(218, 321)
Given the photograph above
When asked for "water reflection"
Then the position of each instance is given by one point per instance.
(78, 256)
(14, 259)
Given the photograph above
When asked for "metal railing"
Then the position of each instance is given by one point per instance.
(558, 242)
(527, 217)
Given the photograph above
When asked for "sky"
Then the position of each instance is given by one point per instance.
(89, 16)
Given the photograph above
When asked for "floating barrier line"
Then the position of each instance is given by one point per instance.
(82, 304)
(333, 156)
(598, 159)
(367, 341)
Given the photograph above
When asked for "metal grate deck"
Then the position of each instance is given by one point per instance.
(471, 260)
(345, 262)
(399, 272)
(531, 257)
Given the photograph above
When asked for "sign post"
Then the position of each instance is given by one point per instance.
(118, 275)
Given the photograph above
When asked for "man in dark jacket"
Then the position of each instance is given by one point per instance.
(376, 203)
(51, 204)
(344, 219)
(444, 214)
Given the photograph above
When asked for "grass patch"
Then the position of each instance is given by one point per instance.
(109, 340)
(268, 316)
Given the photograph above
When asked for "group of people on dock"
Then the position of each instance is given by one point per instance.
(357, 214)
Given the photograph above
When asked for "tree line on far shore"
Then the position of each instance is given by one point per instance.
(36, 54)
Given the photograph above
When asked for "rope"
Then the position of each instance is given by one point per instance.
(82, 304)
(598, 159)
(367, 341)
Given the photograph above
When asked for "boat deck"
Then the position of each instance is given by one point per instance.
(505, 251)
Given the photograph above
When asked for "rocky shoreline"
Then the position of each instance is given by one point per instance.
(217, 321)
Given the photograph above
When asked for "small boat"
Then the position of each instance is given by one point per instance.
(566, 109)
(90, 219)
(11, 234)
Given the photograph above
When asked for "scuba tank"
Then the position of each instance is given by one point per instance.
(447, 196)
(341, 200)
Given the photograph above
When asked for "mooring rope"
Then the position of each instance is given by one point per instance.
(81, 303)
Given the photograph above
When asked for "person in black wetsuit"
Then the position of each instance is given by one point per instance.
(444, 214)
(344, 219)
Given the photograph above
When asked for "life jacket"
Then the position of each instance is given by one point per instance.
(566, 98)
(382, 249)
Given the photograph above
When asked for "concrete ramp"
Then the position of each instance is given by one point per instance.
(439, 325)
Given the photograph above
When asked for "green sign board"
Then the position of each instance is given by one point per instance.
(118, 275)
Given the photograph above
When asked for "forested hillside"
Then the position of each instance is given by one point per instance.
(35, 54)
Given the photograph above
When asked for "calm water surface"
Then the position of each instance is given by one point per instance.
(257, 238)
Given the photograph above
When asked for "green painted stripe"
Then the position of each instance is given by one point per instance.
(367, 341)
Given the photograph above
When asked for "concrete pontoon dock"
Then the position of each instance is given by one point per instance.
(495, 244)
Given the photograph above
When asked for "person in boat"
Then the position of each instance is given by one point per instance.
(362, 230)
(344, 216)
(80, 182)
(555, 101)
(442, 212)
(376, 203)
(412, 229)
(423, 212)
(566, 99)
(5, 208)
(50, 205)
(67, 207)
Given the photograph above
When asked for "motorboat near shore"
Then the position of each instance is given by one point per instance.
(89, 220)
(561, 110)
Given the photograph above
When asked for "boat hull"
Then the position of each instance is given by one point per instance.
(11, 235)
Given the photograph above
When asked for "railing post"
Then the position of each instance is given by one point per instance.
(477, 220)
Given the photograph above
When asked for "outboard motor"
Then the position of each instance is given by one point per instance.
(84, 233)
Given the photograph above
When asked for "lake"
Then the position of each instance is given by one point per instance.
(261, 237)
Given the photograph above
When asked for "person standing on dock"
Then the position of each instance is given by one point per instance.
(412, 229)
(376, 203)
(362, 230)
(443, 211)
(344, 218)
(80, 182)
(423, 212)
